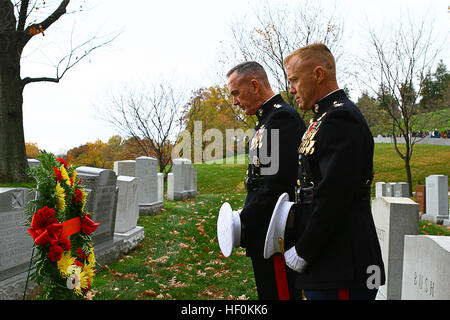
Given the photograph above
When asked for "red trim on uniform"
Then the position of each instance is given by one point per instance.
(343, 294)
(281, 277)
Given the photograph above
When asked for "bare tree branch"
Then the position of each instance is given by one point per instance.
(148, 116)
(45, 24)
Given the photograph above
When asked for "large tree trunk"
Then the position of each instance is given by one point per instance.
(12, 145)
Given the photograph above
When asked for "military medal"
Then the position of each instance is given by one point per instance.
(257, 139)
(307, 145)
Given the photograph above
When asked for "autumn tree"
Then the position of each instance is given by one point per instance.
(32, 150)
(210, 115)
(20, 21)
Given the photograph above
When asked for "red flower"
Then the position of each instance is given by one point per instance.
(65, 243)
(55, 253)
(78, 196)
(87, 225)
(78, 263)
(43, 217)
(63, 162)
(58, 175)
(81, 254)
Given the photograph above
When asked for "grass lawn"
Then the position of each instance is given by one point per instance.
(426, 160)
(180, 257)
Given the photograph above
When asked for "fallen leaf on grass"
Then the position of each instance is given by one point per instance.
(113, 272)
(183, 246)
(149, 293)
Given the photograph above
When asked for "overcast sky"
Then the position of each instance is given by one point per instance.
(176, 41)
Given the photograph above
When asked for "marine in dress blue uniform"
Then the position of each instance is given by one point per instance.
(337, 240)
(263, 190)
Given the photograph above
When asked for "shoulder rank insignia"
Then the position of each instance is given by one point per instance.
(308, 143)
(277, 106)
(257, 138)
(336, 104)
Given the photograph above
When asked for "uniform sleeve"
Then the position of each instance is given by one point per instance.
(257, 213)
(338, 140)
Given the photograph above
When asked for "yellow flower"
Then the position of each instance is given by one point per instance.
(64, 175)
(60, 197)
(87, 276)
(65, 264)
(88, 270)
(83, 199)
(74, 174)
(91, 258)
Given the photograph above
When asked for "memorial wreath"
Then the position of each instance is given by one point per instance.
(61, 228)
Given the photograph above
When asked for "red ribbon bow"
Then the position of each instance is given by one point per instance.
(87, 225)
(54, 232)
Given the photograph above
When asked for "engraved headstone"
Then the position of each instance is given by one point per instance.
(102, 200)
(390, 189)
(401, 189)
(394, 218)
(125, 168)
(15, 241)
(425, 268)
(436, 196)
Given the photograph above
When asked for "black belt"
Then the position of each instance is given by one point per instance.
(304, 195)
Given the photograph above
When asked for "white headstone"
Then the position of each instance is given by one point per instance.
(33, 163)
(426, 264)
(380, 189)
(146, 170)
(194, 179)
(125, 168)
(127, 204)
(187, 164)
(394, 218)
(401, 189)
(178, 175)
(436, 200)
(127, 214)
(160, 186)
(390, 189)
(170, 186)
